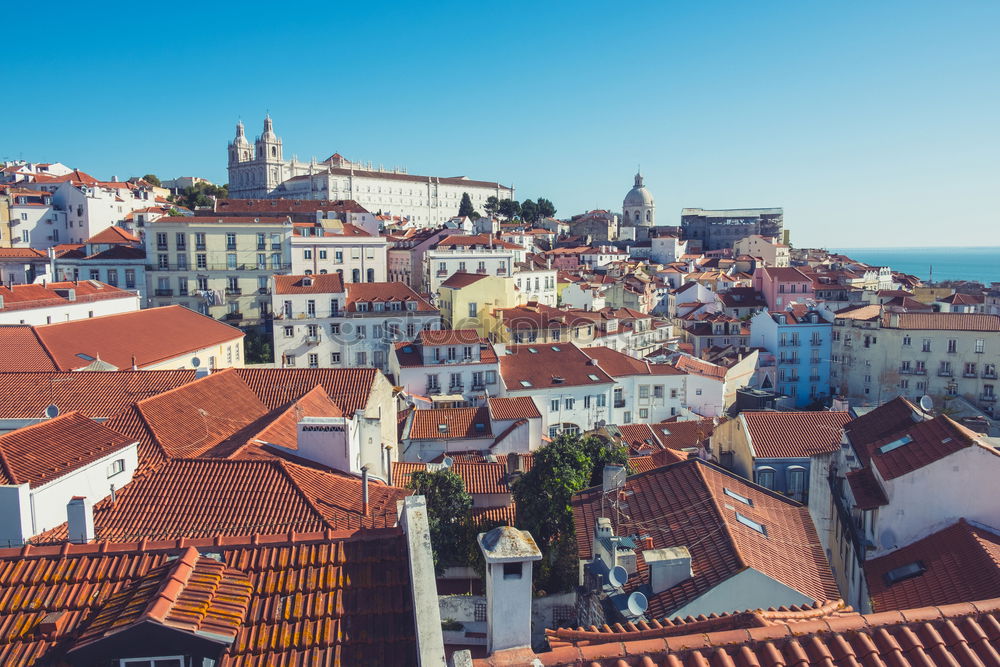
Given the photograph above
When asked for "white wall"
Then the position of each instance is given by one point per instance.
(584, 417)
(749, 589)
(71, 310)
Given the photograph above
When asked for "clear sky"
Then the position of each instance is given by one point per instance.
(872, 123)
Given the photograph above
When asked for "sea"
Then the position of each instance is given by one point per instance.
(981, 264)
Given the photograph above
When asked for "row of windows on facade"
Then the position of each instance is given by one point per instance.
(555, 335)
(360, 306)
(550, 282)
(200, 240)
(380, 332)
(480, 268)
(232, 262)
(312, 359)
(793, 340)
(455, 383)
(111, 277)
(925, 344)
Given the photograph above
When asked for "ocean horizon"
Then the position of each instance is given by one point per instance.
(977, 263)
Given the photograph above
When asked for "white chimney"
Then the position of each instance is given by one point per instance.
(80, 520)
(509, 554)
(667, 567)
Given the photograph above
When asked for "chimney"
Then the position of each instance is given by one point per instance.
(509, 554)
(80, 520)
(515, 464)
(667, 567)
(364, 490)
(894, 320)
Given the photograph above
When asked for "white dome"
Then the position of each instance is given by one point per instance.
(638, 195)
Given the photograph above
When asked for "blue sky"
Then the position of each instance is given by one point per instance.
(872, 123)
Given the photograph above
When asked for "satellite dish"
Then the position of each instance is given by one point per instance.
(618, 576)
(447, 461)
(52, 411)
(195, 361)
(926, 403)
(637, 604)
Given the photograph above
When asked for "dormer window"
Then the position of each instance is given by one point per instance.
(362, 306)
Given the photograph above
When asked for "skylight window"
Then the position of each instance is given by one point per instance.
(593, 377)
(555, 348)
(895, 444)
(733, 494)
(532, 350)
(747, 521)
(85, 357)
(442, 428)
(525, 383)
(904, 572)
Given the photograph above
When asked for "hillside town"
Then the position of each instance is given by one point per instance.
(335, 413)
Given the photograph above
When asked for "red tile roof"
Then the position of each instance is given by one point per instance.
(705, 521)
(208, 497)
(942, 321)
(652, 438)
(323, 283)
(21, 253)
(959, 634)
(287, 206)
(349, 388)
(618, 364)
(330, 598)
(786, 274)
(42, 452)
(695, 366)
(460, 280)
(866, 489)
(149, 337)
(930, 441)
(385, 293)
(780, 435)
(114, 234)
(449, 337)
(193, 593)
(22, 297)
(482, 240)
(24, 351)
(513, 407)
(459, 423)
(959, 563)
(479, 477)
(888, 418)
(549, 365)
(93, 393)
(282, 429)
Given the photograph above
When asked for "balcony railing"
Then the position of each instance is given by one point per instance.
(219, 267)
(233, 316)
(987, 398)
(814, 378)
(945, 373)
(263, 290)
(989, 376)
(456, 389)
(968, 374)
(920, 371)
(312, 340)
(164, 292)
(233, 291)
(620, 403)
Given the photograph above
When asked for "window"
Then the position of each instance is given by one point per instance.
(311, 308)
(904, 572)
(628, 417)
(261, 241)
(335, 358)
(361, 358)
(322, 254)
(231, 261)
(491, 377)
(554, 405)
(312, 330)
(569, 403)
(980, 345)
(313, 361)
(602, 400)
(164, 661)
(747, 521)
(644, 392)
(586, 401)
(907, 340)
(130, 278)
(472, 309)
(796, 481)
(289, 332)
(512, 570)
(161, 241)
(163, 262)
(230, 241)
(115, 467)
(643, 413)
(658, 391)
(307, 254)
(697, 392)
(765, 477)
(952, 345)
(201, 261)
(362, 331)
(737, 496)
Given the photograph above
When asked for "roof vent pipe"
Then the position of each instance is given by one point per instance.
(364, 490)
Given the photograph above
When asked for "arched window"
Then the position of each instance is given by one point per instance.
(637, 216)
(274, 151)
(356, 276)
(796, 481)
(765, 476)
(649, 216)
(371, 275)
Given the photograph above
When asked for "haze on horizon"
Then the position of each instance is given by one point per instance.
(872, 124)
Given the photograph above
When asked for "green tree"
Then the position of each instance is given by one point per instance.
(151, 178)
(465, 208)
(200, 194)
(545, 208)
(449, 516)
(509, 208)
(543, 495)
(492, 206)
(529, 211)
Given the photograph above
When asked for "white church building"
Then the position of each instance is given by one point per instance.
(259, 171)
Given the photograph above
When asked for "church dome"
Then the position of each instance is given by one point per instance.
(638, 195)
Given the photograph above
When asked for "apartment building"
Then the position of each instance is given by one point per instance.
(218, 266)
(479, 253)
(880, 355)
(800, 341)
(321, 322)
(448, 368)
(341, 248)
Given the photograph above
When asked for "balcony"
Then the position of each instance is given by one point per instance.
(906, 371)
(943, 373)
(233, 291)
(199, 246)
(987, 398)
(619, 403)
(312, 340)
(233, 316)
(161, 247)
(456, 389)
(263, 290)
(989, 376)
(479, 387)
(816, 342)
(920, 371)
(969, 374)
(164, 292)
(261, 246)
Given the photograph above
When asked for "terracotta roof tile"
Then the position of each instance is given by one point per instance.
(960, 634)
(925, 442)
(209, 497)
(942, 321)
(114, 234)
(482, 240)
(451, 424)
(390, 292)
(513, 407)
(95, 394)
(323, 283)
(959, 563)
(449, 337)
(318, 598)
(653, 438)
(888, 418)
(349, 388)
(618, 364)
(548, 365)
(720, 544)
(42, 452)
(22, 297)
(24, 350)
(794, 434)
(460, 280)
(866, 489)
(149, 336)
(696, 366)
(479, 477)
